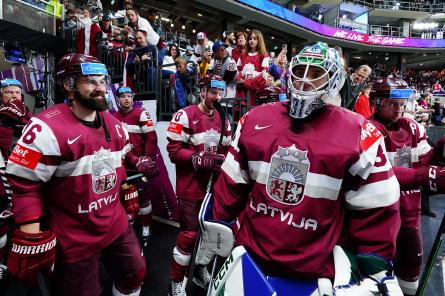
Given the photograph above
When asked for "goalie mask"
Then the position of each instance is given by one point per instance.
(316, 75)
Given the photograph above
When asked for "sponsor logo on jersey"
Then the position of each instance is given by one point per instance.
(287, 175)
(149, 123)
(369, 135)
(103, 173)
(402, 158)
(31, 250)
(71, 141)
(175, 128)
(211, 140)
(25, 156)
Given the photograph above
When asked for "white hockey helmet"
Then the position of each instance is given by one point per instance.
(308, 92)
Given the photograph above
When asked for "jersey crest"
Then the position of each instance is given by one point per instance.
(287, 175)
(211, 140)
(103, 172)
(402, 158)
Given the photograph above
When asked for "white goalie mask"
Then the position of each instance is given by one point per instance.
(316, 76)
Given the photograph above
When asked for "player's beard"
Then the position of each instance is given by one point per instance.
(91, 102)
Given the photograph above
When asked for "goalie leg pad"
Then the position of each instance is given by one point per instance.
(216, 239)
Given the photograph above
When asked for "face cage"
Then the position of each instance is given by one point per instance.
(332, 71)
(391, 105)
(75, 80)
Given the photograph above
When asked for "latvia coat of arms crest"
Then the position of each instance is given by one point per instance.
(211, 140)
(287, 175)
(103, 171)
(402, 158)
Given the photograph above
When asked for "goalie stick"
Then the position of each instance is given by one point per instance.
(431, 258)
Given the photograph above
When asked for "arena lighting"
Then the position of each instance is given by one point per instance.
(194, 31)
(320, 16)
(344, 16)
(172, 25)
(199, 14)
(183, 27)
(165, 19)
(424, 26)
(272, 37)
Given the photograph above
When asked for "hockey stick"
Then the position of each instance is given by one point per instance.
(431, 258)
(43, 285)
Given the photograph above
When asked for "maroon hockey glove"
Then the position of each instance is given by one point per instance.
(147, 167)
(207, 161)
(438, 152)
(130, 201)
(431, 179)
(13, 111)
(31, 253)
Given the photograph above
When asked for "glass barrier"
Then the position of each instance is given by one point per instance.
(34, 14)
(398, 5)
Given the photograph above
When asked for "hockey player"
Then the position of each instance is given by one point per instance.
(297, 170)
(13, 113)
(144, 140)
(66, 172)
(269, 94)
(196, 148)
(407, 147)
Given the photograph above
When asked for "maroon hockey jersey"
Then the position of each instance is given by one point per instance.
(291, 186)
(192, 131)
(141, 131)
(71, 174)
(407, 146)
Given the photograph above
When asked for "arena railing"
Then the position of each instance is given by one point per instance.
(398, 5)
(114, 59)
(146, 82)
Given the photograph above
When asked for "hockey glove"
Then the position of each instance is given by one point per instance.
(130, 201)
(363, 275)
(431, 179)
(31, 253)
(207, 161)
(147, 167)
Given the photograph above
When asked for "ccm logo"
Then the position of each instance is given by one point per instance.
(27, 250)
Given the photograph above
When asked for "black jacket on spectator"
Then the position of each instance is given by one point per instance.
(349, 93)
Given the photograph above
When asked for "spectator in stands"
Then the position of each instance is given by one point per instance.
(363, 105)
(170, 57)
(183, 82)
(151, 17)
(87, 37)
(411, 106)
(118, 39)
(85, 18)
(437, 88)
(241, 46)
(105, 25)
(279, 70)
(139, 23)
(438, 112)
(353, 85)
(189, 55)
(229, 40)
(254, 65)
(203, 44)
(141, 53)
(70, 23)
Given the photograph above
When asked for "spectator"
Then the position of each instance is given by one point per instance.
(279, 70)
(151, 17)
(363, 105)
(105, 25)
(411, 106)
(173, 53)
(70, 23)
(353, 85)
(87, 37)
(139, 23)
(229, 40)
(438, 112)
(437, 88)
(141, 53)
(241, 46)
(189, 55)
(182, 84)
(85, 18)
(203, 45)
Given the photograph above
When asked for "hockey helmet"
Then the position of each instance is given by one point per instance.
(8, 81)
(268, 94)
(124, 90)
(390, 88)
(306, 92)
(75, 64)
(212, 81)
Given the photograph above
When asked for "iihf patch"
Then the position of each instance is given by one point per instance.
(211, 140)
(287, 175)
(103, 171)
(402, 158)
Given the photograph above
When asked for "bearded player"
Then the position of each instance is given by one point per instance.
(143, 139)
(196, 147)
(65, 173)
(301, 173)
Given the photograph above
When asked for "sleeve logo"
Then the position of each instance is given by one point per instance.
(369, 135)
(175, 128)
(25, 157)
(149, 123)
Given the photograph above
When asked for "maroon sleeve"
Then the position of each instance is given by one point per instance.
(178, 153)
(407, 178)
(80, 41)
(27, 199)
(151, 143)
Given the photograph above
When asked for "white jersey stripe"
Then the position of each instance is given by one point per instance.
(364, 167)
(84, 165)
(41, 172)
(199, 138)
(232, 168)
(374, 195)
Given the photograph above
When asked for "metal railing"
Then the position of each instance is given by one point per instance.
(114, 59)
(398, 5)
(386, 31)
(351, 25)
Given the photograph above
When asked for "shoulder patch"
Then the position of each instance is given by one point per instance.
(369, 135)
(25, 157)
(175, 128)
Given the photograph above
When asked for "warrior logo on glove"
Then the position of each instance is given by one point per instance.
(104, 172)
(287, 175)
